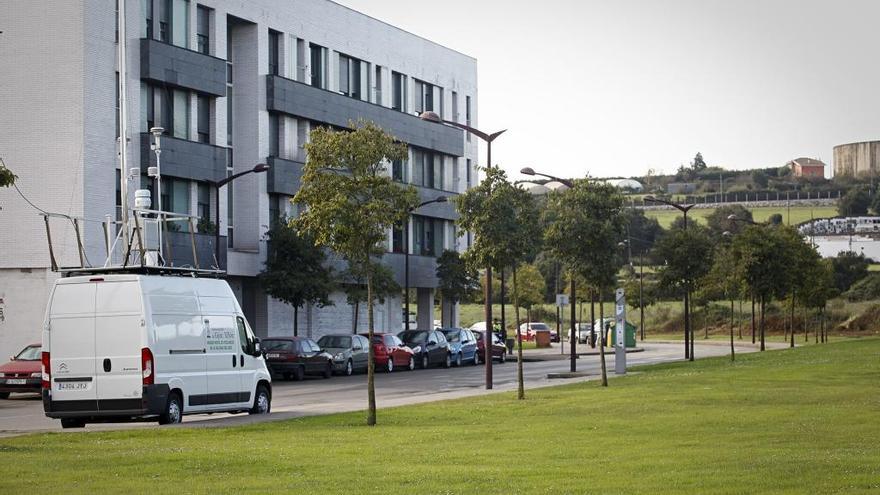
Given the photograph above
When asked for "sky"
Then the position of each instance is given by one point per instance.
(613, 88)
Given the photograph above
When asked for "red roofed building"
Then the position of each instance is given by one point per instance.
(807, 167)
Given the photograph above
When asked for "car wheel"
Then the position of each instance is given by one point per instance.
(72, 423)
(424, 361)
(477, 358)
(262, 401)
(328, 370)
(448, 362)
(503, 358)
(299, 374)
(412, 363)
(390, 366)
(349, 369)
(173, 413)
(287, 376)
(458, 359)
(4, 395)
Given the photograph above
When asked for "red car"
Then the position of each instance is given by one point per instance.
(389, 352)
(22, 373)
(499, 350)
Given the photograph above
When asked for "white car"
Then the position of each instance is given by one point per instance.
(123, 347)
(479, 326)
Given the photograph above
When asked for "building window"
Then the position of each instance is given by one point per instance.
(397, 171)
(148, 19)
(455, 113)
(203, 29)
(176, 199)
(427, 236)
(204, 120)
(169, 108)
(274, 43)
(164, 20)
(274, 129)
(350, 76)
(397, 239)
(180, 23)
(274, 211)
(377, 88)
(467, 114)
(398, 91)
(428, 169)
(424, 97)
(468, 172)
(316, 58)
(203, 204)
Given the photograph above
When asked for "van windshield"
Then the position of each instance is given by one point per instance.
(277, 345)
(334, 342)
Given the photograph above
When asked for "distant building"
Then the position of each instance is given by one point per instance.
(807, 167)
(626, 184)
(857, 159)
(681, 187)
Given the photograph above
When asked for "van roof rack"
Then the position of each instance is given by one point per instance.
(140, 270)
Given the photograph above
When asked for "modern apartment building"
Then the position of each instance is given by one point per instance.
(234, 84)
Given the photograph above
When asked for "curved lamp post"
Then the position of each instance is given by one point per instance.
(487, 291)
(688, 338)
(438, 199)
(260, 168)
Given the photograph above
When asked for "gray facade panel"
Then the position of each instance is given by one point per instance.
(185, 159)
(283, 176)
(302, 100)
(445, 210)
(422, 269)
(168, 64)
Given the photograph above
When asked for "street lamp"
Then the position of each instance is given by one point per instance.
(260, 168)
(688, 338)
(531, 171)
(438, 199)
(487, 290)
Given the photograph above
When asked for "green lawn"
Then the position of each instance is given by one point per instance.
(798, 214)
(799, 421)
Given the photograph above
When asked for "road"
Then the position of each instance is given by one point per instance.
(24, 414)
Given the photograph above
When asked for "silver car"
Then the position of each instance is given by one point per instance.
(350, 353)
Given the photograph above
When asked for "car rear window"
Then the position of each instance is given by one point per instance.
(540, 326)
(278, 345)
(334, 341)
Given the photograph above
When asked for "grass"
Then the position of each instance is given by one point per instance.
(798, 421)
(798, 214)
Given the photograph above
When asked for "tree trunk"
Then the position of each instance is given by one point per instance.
(816, 332)
(732, 352)
(762, 322)
(806, 330)
(739, 320)
(371, 366)
(520, 387)
(753, 318)
(503, 309)
(602, 339)
(592, 317)
(792, 320)
(296, 321)
(354, 323)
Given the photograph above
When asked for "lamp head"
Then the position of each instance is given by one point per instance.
(527, 171)
(441, 199)
(431, 117)
(262, 167)
(157, 131)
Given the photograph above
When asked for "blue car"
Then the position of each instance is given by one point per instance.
(462, 345)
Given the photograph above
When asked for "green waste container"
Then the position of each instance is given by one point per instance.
(629, 334)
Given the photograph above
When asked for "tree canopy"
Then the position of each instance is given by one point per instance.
(456, 280)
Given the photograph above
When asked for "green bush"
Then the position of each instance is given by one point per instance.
(865, 289)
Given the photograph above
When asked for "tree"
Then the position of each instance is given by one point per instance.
(775, 219)
(848, 268)
(698, 163)
(718, 221)
(530, 288)
(760, 178)
(855, 202)
(456, 280)
(7, 178)
(643, 231)
(724, 281)
(355, 287)
(506, 223)
(585, 223)
(350, 203)
(295, 271)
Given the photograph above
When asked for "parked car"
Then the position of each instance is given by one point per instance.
(122, 347)
(351, 353)
(499, 350)
(389, 352)
(479, 326)
(462, 345)
(296, 357)
(429, 346)
(530, 329)
(22, 373)
(584, 333)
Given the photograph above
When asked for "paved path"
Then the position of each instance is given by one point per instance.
(24, 414)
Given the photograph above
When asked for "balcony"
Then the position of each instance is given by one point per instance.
(301, 100)
(164, 63)
(185, 159)
(178, 250)
(283, 176)
(445, 210)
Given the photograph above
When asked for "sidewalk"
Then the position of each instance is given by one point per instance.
(553, 353)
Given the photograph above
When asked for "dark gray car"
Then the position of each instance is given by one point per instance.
(350, 352)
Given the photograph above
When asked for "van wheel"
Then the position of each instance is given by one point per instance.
(299, 374)
(262, 401)
(72, 423)
(173, 410)
(328, 371)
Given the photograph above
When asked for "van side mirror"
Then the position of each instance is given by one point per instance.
(258, 348)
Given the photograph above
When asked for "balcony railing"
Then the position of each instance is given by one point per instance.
(185, 159)
(172, 65)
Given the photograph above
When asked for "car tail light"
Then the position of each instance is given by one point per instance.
(147, 368)
(46, 379)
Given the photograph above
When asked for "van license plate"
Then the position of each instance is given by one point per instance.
(15, 381)
(73, 386)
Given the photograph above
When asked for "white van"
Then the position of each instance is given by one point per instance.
(126, 347)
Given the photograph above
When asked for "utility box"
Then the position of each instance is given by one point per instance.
(542, 338)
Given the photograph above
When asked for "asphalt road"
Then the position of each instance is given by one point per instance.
(24, 414)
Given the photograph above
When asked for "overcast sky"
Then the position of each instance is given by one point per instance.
(613, 88)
